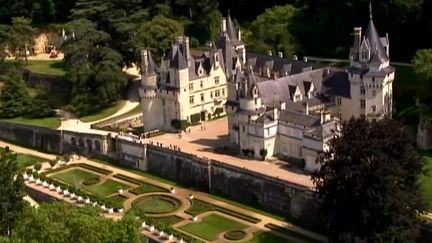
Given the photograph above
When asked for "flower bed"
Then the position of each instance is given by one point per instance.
(235, 235)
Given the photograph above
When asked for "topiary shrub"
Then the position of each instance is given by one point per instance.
(263, 153)
(180, 124)
(235, 235)
(195, 118)
(91, 181)
(37, 166)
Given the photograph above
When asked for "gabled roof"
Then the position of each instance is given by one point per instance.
(151, 67)
(178, 60)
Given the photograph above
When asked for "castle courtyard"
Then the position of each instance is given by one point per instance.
(211, 138)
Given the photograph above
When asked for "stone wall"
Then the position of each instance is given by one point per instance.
(40, 138)
(240, 184)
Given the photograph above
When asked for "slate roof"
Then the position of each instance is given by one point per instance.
(299, 118)
(377, 49)
(336, 83)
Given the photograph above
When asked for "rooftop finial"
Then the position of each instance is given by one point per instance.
(370, 10)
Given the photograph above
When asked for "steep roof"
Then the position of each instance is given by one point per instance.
(376, 46)
(151, 65)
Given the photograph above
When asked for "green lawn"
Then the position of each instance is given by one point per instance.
(74, 177)
(49, 67)
(105, 189)
(266, 237)
(26, 160)
(50, 122)
(101, 114)
(427, 179)
(119, 198)
(211, 226)
(156, 204)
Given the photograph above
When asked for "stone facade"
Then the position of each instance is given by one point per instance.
(291, 108)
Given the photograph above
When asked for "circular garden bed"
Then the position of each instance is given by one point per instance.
(91, 181)
(156, 204)
(235, 235)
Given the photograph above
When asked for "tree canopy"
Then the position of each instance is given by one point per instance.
(63, 222)
(423, 68)
(272, 30)
(11, 192)
(369, 180)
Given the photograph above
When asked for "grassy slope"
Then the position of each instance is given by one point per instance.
(427, 179)
(49, 67)
(210, 226)
(101, 114)
(50, 122)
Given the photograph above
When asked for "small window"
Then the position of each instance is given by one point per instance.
(191, 87)
(163, 102)
(373, 92)
(191, 100)
(297, 98)
(362, 90)
(217, 93)
(373, 108)
(362, 104)
(256, 102)
(223, 92)
(216, 79)
(202, 97)
(211, 94)
(339, 101)
(244, 128)
(201, 84)
(373, 79)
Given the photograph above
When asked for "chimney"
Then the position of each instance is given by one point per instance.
(269, 53)
(305, 58)
(295, 57)
(144, 61)
(223, 25)
(282, 105)
(239, 35)
(357, 38)
(280, 54)
(306, 107)
(242, 52)
(276, 113)
(187, 50)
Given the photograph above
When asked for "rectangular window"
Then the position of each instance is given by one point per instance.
(373, 93)
(216, 80)
(217, 93)
(223, 92)
(201, 84)
(362, 104)
(362, 90)
(191, 100)
(255, 101)
(202, 97)
(297, 98)
(339, 101)
(191, 87)
(211, 94)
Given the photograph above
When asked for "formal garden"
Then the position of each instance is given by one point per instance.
(165, 211)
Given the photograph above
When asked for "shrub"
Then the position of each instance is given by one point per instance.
(53, 162)
(91, 181)
(218, 111)
(263, 153)
(37, 166)
(195, 118)
(179, 124)
(95, 169)
(235, 235)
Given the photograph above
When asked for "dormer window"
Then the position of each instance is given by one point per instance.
(364, 55)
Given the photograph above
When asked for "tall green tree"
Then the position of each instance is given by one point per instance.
(21, 37)
(62, 222)
(4, 38)
(157, 35)
(272, 30)
(422, 62)
(14, 98)
(94, 68)
(11, 192)
(369, 179)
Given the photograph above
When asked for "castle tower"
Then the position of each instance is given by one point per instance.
(149, 100)
(370, 74)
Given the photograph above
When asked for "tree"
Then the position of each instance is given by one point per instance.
(14, 98)
(62, 222)
(272, 30)
(369, 179)
(11, 192)
(21, 37)
(423, 68)
(263, 153)
(37, 166)
(157, 35)
(94, 68)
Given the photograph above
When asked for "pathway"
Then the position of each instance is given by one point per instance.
(181, 193)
